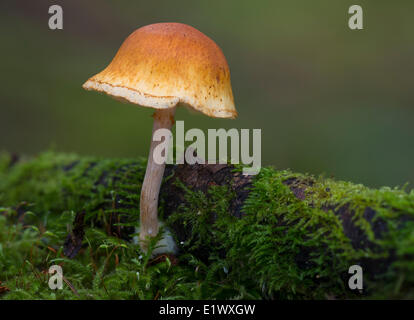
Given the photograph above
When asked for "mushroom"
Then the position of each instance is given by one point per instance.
(160, 66)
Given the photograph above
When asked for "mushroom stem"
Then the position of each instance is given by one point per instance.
(163, 119)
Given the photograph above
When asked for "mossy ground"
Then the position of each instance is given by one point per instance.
(287, 245)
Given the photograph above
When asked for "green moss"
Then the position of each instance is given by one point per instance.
(292, 242)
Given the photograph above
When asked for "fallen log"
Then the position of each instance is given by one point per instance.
(293, 235)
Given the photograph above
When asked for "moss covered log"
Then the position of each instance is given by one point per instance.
(278, 235)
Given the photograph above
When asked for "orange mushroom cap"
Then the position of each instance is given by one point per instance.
(164, 64)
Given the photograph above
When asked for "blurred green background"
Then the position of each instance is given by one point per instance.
(328, 99)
